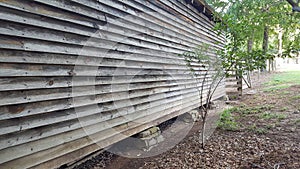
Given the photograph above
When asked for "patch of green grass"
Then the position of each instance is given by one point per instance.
(283, 81)
(270, 126)
(284, 109)
(286, 77)
(297, 122)
(252, 127)
(276, 88)
(258, 130)
(285, 93)
(254, 110)
(268, 115)
(233, 97)
(227, 120)
(245, 110)
(281, 117)
(232, 109)
(297, 97)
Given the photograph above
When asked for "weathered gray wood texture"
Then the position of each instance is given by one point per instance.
(78, 72)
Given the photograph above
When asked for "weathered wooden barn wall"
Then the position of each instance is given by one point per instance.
(61, 91)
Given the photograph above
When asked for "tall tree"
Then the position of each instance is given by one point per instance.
(249, 26)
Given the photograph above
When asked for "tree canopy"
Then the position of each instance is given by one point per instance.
(257, 30)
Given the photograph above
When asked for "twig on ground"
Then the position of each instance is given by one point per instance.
(276, 166)
(268, 162)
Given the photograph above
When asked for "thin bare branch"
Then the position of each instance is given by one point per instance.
(292, 2)
(295, 5)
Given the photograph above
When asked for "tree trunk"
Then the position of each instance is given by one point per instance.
(240, 84)
(280, 34)
(250, 47)
(250, 43)
(280, 51)
(265, 46)
(266, 39)
(203, 132)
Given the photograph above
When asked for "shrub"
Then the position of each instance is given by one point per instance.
(227, 121)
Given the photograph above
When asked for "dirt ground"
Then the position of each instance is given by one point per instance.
(267, 135)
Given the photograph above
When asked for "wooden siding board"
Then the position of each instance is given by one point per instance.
(140, 29)
(83, 152)
(64, 15)
(42, 144)
(21, 110)
(66, 28)
(146, 20)
(203, 22)
(18, 97)
(186, 21)
(10, 140)
(52, 83)
(62, 49)
(23, 83)
(189, 9)
(86, 141)
(71, 135)
(12, 125)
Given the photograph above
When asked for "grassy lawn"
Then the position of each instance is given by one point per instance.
(268, 109)
(283, 81)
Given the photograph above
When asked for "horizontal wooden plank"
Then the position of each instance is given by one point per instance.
(14, 97)
(192, 13)
(26, 83)
(68, 7)
(104, 94)
(108, 41)
(65, 15)
(66, 125)
(10, 140)
(99, 136)
(14, 43)
(84, 151)
(63, 70)
(113, 4)
(65, 28)
(22, 150)
(33, 147)
(134, 17)
(206, 33)
(108, 59)
(49, 130)
(197, 16)
(28, 70)
(45, 119)
(30, 109)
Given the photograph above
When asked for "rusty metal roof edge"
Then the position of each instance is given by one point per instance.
(208, 9)
(203, 2)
